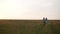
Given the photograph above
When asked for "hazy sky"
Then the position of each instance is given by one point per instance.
(29, 9)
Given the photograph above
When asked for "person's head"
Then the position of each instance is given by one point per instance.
(46, 18)
(43, 18)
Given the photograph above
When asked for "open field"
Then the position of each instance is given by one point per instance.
(29, 27)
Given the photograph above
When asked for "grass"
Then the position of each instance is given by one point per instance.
(26, 27)
(54, 29)
(30, 29)
(4, 29)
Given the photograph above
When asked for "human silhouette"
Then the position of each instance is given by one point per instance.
(45, 20)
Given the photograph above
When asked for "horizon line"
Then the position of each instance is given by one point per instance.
(28, 19)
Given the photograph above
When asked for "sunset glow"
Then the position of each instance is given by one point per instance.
(29, 9)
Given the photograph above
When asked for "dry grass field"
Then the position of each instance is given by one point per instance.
(29, 27)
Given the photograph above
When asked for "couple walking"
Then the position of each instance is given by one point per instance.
(45, 20)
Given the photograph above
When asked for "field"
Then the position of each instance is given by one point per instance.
(29, 27)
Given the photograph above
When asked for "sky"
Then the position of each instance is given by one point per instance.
(29, 9)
